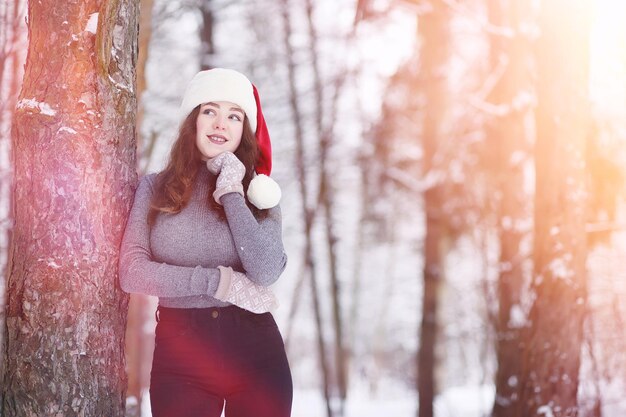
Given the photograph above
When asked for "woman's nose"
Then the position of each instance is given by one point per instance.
(219, 122)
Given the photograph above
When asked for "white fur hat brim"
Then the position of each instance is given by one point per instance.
(220, 84)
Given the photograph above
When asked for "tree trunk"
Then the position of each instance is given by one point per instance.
(551, 359)
(434, 33)
(12, 56)
(308, 213)
(139, 343)
(145, 35)
(326, 197)
(74, 154)
(507, 136)
(207, 48)
(433, 274)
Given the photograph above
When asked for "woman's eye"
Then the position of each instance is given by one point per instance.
(208, 111)
(235, 117)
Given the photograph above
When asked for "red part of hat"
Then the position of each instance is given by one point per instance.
(264, 164)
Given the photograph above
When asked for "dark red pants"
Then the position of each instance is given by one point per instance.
(205, 358)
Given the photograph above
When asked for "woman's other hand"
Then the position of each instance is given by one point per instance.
(230, 171)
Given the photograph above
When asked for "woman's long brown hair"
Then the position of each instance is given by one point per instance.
(174, 184)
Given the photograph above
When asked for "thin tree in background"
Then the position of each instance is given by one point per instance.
(11, 15)
(309, 261)
(552, 345)
(434, 34)
(146, 8)
(507, 142)
(207, 46)
(12, 43)
(74, 154)
(145, 143)
(12, 56)
(389, 165)
(139, 342)
(326, 198)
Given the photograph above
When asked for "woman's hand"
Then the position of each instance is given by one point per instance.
(237, 289)
(230, 171)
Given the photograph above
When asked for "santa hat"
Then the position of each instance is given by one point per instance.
(221, 84)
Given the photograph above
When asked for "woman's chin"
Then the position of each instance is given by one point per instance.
(208, 155)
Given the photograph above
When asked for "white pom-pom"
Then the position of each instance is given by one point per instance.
(264, 192)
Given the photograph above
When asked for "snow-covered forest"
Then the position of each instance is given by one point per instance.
(453, 177)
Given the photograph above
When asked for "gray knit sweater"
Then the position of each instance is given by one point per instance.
(177, 260)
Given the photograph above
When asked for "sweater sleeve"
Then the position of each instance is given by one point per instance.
(140, 274)
(259, 243)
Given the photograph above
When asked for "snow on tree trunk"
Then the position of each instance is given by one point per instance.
(74, 154)
(551, 359)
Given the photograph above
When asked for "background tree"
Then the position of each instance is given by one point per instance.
(309, 271)
(74, 154)
(435, 50)
(12, 56)
(325, 115)
(139, 341)
(552, 345)
(207, 44)
(508, 150)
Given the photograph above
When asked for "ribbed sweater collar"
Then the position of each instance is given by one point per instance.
(202, 181)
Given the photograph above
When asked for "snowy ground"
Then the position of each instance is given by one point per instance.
(455, 402)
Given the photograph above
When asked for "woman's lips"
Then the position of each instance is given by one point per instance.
(217, 139)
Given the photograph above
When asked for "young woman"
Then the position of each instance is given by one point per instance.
(209, 251)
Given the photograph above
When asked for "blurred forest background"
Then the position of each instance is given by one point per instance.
(453, 193)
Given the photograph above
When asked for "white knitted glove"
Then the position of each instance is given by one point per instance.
(237, 289)
(231, 172)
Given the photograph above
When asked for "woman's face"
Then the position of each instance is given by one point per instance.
(219, 127)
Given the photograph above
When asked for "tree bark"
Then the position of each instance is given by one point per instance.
(145, 35)
(74, 153)
(139, 343)
(551, 360)
(308, 213)
(434, 33)
(507, 136)
(326, 197)
(12, 56)
(207, 48)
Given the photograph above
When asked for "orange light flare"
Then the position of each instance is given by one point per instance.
(608, 58)
(607, 93)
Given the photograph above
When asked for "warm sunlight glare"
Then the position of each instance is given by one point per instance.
(608, 57)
